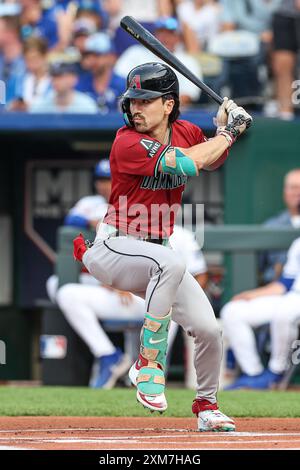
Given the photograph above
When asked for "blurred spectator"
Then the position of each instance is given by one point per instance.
(9, 8)
(277, 303)
(38, 22)
(63, 98)
(56, 23)
(93, 11)
(101, 82)
(250, 15)
(271, 262)
(167, 31)
(64, 15)
(203, 16)
(146, 13)
(286, 30)
(36, 82)
(82, 29)
(149, 13)
(244, 43)
(12, 66)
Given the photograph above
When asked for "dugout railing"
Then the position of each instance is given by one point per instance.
(240, 244)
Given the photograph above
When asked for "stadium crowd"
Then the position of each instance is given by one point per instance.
(72, 56)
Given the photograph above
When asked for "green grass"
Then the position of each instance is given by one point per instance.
(77, 401)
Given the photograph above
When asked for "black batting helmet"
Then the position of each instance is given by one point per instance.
(149, 81)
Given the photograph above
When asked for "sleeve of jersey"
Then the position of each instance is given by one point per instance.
(138, 155)
(287, 282)
(196, 263)
(74, 220)
(292, 266)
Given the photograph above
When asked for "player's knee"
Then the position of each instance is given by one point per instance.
(66, 294)
(230, 313)
(212, 332)
(92, 261)
(51, 287)
(280, 319)
(170, 269)
(176, 268)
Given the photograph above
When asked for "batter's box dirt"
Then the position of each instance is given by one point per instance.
(61, 433)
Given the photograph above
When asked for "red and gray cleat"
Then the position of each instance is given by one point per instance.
(143, 371)
(135, 368)
(210, 417)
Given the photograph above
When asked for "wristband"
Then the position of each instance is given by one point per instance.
(231, 138)
(228, 136)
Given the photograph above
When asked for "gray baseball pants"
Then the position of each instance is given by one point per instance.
(155, 273)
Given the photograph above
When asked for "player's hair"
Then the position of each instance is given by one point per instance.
(175, 111)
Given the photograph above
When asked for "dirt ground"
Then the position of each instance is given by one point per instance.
(90, 433)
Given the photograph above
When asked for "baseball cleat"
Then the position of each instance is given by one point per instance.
(210, 417)
(152, 402)
(141, 373)
(263, 381)
(111, 368)
(136, 367)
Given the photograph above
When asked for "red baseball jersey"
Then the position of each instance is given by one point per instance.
(144, 201)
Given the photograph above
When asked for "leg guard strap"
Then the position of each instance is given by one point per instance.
(151, 381)
(154, 338)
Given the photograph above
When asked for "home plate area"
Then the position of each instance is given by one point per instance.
(89, 433)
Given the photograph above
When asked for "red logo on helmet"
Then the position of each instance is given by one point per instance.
(135, 82)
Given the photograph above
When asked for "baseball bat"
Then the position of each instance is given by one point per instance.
(141, 34)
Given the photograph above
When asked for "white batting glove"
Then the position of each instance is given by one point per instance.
(245, 118)
(238, 121)
(226, 107)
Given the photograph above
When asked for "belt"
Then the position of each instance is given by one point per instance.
(111, 231)
(158, 241)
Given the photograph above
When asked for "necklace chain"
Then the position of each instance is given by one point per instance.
(167, 136)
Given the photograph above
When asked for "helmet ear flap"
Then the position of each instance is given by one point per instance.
(125, 104)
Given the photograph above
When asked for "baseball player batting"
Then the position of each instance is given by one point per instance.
(151, 160)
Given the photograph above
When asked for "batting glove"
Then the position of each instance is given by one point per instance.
(79, 247)
(226, 107)
(240, 113)
(238, 121)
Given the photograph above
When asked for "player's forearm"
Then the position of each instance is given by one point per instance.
(188, 161)
(274, 288)
(207, 153)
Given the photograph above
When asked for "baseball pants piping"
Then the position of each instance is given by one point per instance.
(155, 273)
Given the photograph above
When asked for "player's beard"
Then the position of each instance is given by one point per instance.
(141, 124)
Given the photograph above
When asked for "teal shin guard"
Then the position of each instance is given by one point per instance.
(154, 341)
